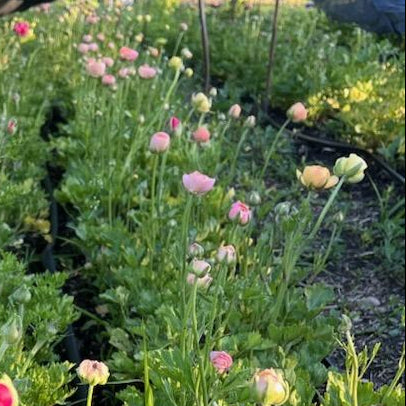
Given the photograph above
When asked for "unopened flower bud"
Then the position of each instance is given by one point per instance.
(11, 332)
(200, 268)
(213, 92)
(271, 388)
(317, 177)
(251, 122)
(353, 168)
(297, 113)
(254, 199)
(176, 63)
(227, 255)
(186, 53)
(189, 73)
(201, 103)
(22, 295)
(235, 111)
(196, 250)
(93, 373)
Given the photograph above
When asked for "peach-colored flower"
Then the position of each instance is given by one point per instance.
(240, 213)
(128, 54)
(147, 72)
(202, 135)
(93, 372)
(222, 361)
(95, 68)
(101, 37)
(271, 387)
(198, 184)
(160, 142)
(203, 282)
(154, 52)
(317, 177)
(109, 80)
(235, 111)
(92, 19)
(12, 127)
(8, 393)
(297, 113)
(227, 254)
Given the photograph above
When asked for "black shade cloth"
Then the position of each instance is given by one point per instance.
(381, 16)
(9, 6)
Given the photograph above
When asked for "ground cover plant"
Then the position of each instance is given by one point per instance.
(193, 241)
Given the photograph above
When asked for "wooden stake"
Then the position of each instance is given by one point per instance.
(205, 44)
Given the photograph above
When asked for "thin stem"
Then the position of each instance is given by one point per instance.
(90, 395)
(153, 208)
(206, 44)
(272, 52)
(237, 153)
(355, 369)
(273, 147)
(3, 348)
(327, 208)
(397, 378)
(197, 343)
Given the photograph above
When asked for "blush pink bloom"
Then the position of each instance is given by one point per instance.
(198, 184)
(227, 255)
(235, 111)
(298, 113)
(202, 135)
(128, 54)
(111, 45)
(174, 124)
(109, 80)
(96, 69)
(83, 48)
(222, 361)
(12, 127)
(101, 37)
(22, 28)
(240, 213)
(200, 268)
(160, 142)
(203, 282)
(87, 38)
(124, 73)
(147, 72)
(45, 7)
(93, 47)
(93, 372)
(92, 19)
(109, 62)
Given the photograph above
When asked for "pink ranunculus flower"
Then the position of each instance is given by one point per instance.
(8, 393)
(235, 111)
(174, 123)
(240, 213)
(92, 19)
(198, 184)
(202, 135)
(12, 127)
(108, 61)
(22, 28)
(95, 68)
(227, 255)
(93, 372)
(203, 282)
(222, 361)
(147, 72)
(128, 54)
(83, 48)
(93, 47)
(109, 80)
(160, 142)
(124, 73)
(87, 38)
(101, 37)
(297, 113)
(200, 268)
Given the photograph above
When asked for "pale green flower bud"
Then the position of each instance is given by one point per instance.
(93, 373)
(271, 388)
(352, 167)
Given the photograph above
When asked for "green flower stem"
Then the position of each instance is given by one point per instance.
(203, 381)
(183, 283)
(397, 378)
(90, 395)
(3, 348)
(161, 183)
(237, 153)
(327, 208)
(153, 208)
(178, 43)
(273, 147)
(354, 370)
